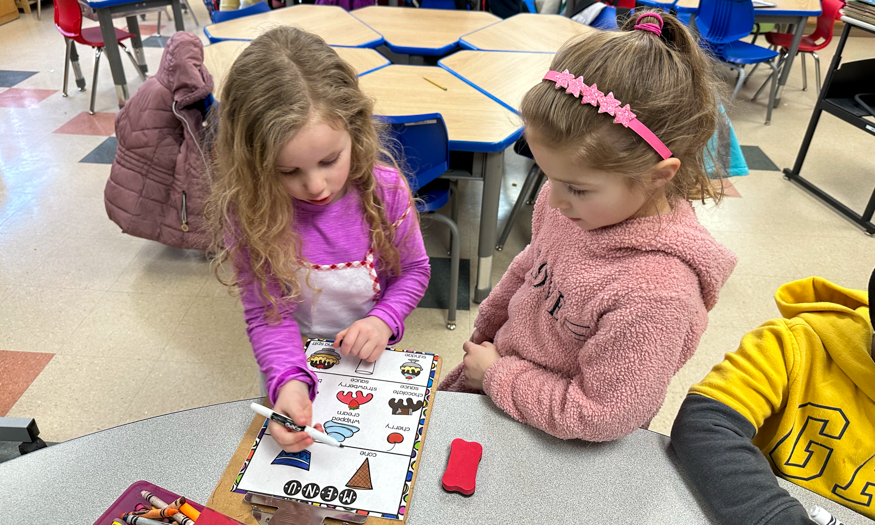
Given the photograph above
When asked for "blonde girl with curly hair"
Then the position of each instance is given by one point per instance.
(323, 236)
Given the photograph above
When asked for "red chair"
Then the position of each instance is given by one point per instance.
(819, 39)
(68, 20)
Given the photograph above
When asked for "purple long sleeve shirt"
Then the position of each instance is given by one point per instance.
(331, 234)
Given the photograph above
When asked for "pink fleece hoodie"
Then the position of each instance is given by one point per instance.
(592, 325)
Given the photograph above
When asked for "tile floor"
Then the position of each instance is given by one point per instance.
(98, 328)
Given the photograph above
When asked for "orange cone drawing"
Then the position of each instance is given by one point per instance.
(362, 478)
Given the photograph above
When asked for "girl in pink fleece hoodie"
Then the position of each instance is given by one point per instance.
(585, 330)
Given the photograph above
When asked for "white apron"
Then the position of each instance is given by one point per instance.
(349, 292)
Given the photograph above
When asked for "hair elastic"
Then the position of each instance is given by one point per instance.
(607, 104)
(653, 27)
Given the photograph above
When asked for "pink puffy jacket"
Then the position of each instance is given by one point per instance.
(158, 184)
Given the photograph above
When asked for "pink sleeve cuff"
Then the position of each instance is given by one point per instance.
(304, 376)
(388, 315)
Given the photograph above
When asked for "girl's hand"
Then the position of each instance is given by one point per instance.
(477, 338)
(365, 338)
(293, 400)
(478, 359)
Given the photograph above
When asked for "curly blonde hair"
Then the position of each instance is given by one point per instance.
(283, 79)
(670, 84)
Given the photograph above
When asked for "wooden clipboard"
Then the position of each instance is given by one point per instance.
(231, 503)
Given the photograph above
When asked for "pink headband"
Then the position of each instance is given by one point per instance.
(650, 26)
(607, 104)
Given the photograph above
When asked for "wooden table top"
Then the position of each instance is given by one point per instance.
(332, 23)
(507, 76)
(527, 32)
(470, 116)
(810, 6)
(432, 29)
(220, 57)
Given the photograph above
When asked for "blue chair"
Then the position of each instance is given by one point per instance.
(606, 19)
(254, 9)
(438, 4)
(721, 25)
(425, 155)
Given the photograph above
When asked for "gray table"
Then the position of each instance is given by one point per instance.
(525, 476)
(106, 10)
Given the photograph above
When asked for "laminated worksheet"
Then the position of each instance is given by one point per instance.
(378, 411)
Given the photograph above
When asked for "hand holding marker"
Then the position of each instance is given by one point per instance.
(287, 422)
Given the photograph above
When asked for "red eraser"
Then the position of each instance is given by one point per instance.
(461, 473)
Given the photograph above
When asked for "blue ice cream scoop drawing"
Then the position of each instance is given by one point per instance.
(339, 431)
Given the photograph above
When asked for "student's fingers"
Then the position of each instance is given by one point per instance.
(349, 339)
(305, 414)
(368, 349)
(361, 340)
(299, 445)
(338, 339)
(468, 346)
(286, 438)
(376, 351)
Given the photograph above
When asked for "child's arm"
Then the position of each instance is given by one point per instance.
(713, 430)
(403, 292)
(626, 367)
(493, 310)
(277, 346)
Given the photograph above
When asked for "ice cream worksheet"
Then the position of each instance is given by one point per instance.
(377, 411)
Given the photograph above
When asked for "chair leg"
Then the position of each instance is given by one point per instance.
(518, 205)
(741, 77)
(77, 71)
(97, 52)
(134, 60)
(816, 71)
(773, 93)
(760, 90)
(67, 44)
(454, 266)
(533, 196)
(454, 209)
(755, 66)
(804, 72)
(779, 66)
(756, 34)
(158, 32)
(191, 12)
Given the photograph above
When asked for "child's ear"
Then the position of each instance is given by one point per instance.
(664, 171)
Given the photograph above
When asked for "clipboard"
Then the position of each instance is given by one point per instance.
(233, 505)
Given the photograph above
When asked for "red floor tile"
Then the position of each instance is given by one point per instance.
(17, 372)
(148, 29)
(728, 189)
(102, 124)
(24, 98)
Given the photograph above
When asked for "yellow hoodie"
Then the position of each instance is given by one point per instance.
(807, 384)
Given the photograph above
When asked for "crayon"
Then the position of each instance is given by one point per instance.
(179, 517)
(137, 520)
(153, 514)
(189, 511)
(140, 506)
(180, 501)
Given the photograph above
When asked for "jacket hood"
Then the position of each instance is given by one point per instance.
(182, 69)
(840, 318)
(679, 235)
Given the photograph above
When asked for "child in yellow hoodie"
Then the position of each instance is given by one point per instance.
(801, 390)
